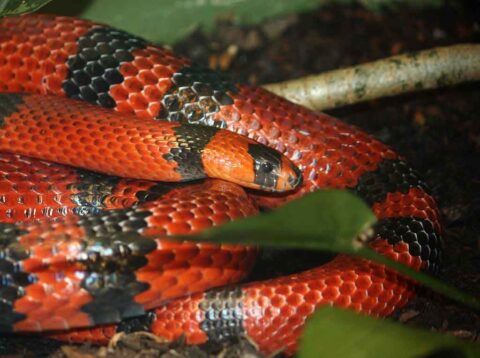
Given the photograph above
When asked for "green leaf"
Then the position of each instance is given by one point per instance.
(167, 21)
(18, 7)
(338, 333)
(326, 219)
(329, 220)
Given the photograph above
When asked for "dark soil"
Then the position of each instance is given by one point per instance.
(437, 131)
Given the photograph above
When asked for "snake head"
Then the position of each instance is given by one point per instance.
(248, 163)
(272, 170)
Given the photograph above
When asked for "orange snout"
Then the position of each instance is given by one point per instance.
(289, 177)
(245, 162)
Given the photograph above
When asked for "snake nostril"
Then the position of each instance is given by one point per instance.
(297, 179)
(291, 180)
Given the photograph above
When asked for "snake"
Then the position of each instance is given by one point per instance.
(110, 144)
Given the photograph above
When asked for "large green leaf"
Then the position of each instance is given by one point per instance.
(338, 333)
(329, 220)
(167, 21)
(326, 219)
(17, 7)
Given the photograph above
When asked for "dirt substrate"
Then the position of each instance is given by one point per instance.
(437, 131)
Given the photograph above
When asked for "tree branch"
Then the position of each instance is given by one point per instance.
(434, 68)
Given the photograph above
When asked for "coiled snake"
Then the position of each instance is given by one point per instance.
(102, 255)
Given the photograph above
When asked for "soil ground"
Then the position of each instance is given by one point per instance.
(437, 131)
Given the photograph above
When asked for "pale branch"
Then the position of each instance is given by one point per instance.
(428, 69)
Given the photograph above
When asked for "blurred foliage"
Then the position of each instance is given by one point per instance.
(167, 21)
(338, 333)
(17, 7)
(328, 220)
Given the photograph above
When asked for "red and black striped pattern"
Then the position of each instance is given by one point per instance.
(76, 58)
(93, 269)
(59, 129)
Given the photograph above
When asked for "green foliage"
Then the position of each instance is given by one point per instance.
(337, 333)
(167, 21)
(329, 220)
(17, 7)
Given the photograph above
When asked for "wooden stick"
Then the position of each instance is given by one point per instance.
(434, 68)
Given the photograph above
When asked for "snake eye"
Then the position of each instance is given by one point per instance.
(266, 167)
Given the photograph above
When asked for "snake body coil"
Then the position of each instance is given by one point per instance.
(94, 266)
